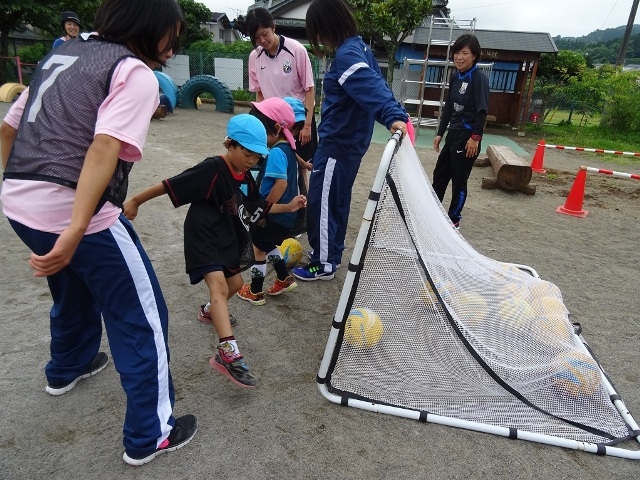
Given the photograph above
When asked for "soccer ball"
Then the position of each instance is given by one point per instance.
(291, 251)
(553, 330)
(471, 307)
(549, 306)
(363, 328)
(576, 373)
(515, 312)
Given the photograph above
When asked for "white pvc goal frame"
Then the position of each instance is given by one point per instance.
(332, 344)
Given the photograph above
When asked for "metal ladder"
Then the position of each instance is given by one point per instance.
(412, 90)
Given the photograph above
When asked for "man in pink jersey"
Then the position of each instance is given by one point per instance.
(280, 67)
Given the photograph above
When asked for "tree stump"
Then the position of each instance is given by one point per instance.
(511, 171)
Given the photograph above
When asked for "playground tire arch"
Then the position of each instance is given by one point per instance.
(188, 93)
(9, 90)
(168, 87)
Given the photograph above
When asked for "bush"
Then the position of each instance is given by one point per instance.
(239, 46)
(32, 54)
(243, 95)
(622, 106)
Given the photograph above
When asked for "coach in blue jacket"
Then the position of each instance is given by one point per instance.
(356, 95)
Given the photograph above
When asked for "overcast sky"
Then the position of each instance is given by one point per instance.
(569, 18)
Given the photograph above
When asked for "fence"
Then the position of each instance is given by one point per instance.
(562, 109)
(233, 70)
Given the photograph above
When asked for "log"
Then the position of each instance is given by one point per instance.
(482, 162)
(490, 183)
(511, 171)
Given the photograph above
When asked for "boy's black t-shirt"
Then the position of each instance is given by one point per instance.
(223, 206)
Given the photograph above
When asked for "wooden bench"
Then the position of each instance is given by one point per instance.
(511, 171)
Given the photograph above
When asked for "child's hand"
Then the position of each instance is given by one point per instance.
(302, 163)
(130, 209)
(298, 202)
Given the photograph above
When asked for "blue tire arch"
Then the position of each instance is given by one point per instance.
(168, 87)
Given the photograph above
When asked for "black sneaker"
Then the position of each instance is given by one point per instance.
(97, 365)
(181, 434)
(237, 371)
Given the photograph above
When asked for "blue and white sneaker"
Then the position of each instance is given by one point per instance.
(310, 255)
(313, 271)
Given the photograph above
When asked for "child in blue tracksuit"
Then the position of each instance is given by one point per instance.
(356, 95)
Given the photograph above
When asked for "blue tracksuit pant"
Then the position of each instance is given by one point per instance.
(111, 275)
(328, 205)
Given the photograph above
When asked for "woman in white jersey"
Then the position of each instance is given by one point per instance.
(62, 194)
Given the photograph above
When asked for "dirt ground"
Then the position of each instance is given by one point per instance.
(285, 428)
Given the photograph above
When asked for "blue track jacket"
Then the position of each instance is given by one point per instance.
(355, 96)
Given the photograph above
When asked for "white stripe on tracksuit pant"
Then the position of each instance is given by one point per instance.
(111, 275)
(328, 205)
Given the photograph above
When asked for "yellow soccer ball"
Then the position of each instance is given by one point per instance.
(576, 373)
(427, 295)
(516, 312)
(363, 328)
(291, 251)
(471, 307)
(548, 306)
(553, 330)
(543, 288)
(552, 325)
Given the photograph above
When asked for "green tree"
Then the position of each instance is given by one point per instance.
(194, 14)
(556, 71)
(622, 106)
(389, 22)
(15, 15)
(586, 94)
(239, 46)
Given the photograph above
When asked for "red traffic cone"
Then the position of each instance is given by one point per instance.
(537, 161)
(573, 205)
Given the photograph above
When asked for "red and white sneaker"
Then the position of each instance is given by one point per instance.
(245, 293)
(204, 315)
(281, 286)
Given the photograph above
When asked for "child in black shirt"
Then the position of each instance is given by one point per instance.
(224, 202)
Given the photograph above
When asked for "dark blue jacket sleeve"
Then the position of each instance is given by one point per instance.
(369, 89)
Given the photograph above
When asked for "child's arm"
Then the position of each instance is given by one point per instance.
(278, 189)
(7, 137)
(131, 206)
(303, 164)
(298, 202)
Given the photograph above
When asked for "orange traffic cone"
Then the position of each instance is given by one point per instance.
(537, 161)
(573, 205)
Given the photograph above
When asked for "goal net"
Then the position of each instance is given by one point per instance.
(428, 328)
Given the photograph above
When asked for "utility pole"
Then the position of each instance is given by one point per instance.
(627, 34)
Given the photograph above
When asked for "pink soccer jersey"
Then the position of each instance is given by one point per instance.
(288, 74)
(132, 93)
